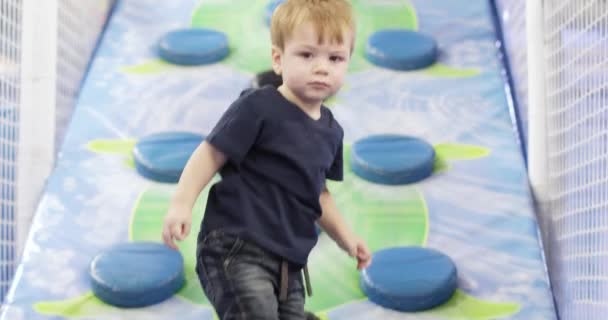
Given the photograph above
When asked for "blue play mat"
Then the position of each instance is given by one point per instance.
(136, 274)
(401, 49)
(193, 46)
(392, 159)
(162, 156)
(409, 278)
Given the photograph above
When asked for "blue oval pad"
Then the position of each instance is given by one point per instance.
(136, 274)
(401, 49)
(193, 46)
(409, 278)
(392, 159)
(162, 156)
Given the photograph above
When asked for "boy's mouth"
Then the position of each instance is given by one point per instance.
(318, 84)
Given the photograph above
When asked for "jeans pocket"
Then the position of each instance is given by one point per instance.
(215, 253)
(205, 280)
(233, 252)
(208, 263)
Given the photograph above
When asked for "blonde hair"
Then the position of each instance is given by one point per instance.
(330, 18)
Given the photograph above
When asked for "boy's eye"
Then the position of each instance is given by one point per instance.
(305, 54)
(336, 58)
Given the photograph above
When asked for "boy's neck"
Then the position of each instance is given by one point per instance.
(313, 110)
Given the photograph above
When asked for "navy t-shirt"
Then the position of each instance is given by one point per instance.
(278, 158)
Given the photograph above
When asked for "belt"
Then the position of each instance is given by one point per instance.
(285, 281)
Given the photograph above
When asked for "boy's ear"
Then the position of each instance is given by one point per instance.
(276, 59)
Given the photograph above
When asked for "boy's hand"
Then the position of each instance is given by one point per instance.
(359, 250)
(176, 225)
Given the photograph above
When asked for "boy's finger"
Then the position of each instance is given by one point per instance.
(360, 264)
(363, 253)
(365, 258)
(171, 243)
(164, 233)
(167, 239)
(176, 231)
(368, 255)
(368, 261)
(186, 229)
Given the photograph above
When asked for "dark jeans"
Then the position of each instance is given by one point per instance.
(242, 280)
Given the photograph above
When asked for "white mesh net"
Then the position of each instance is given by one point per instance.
(10, 51)
(575, 221)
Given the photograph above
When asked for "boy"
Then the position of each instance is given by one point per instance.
(274, 149)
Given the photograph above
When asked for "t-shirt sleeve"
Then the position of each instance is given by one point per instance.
(335, 172)
(236, 131)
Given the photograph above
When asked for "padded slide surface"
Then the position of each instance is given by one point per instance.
(95, 198)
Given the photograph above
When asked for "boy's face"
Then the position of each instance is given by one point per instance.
(312, 71)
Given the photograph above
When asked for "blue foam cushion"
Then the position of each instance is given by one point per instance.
(401, 49)
(137, 274)
(193, 46)
(273, 4)
(409, 278)
(162, 156)
(392, 159)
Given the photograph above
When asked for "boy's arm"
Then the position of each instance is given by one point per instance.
(334, 224)
(205, 161)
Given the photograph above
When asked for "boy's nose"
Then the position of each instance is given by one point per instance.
(320, 67)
